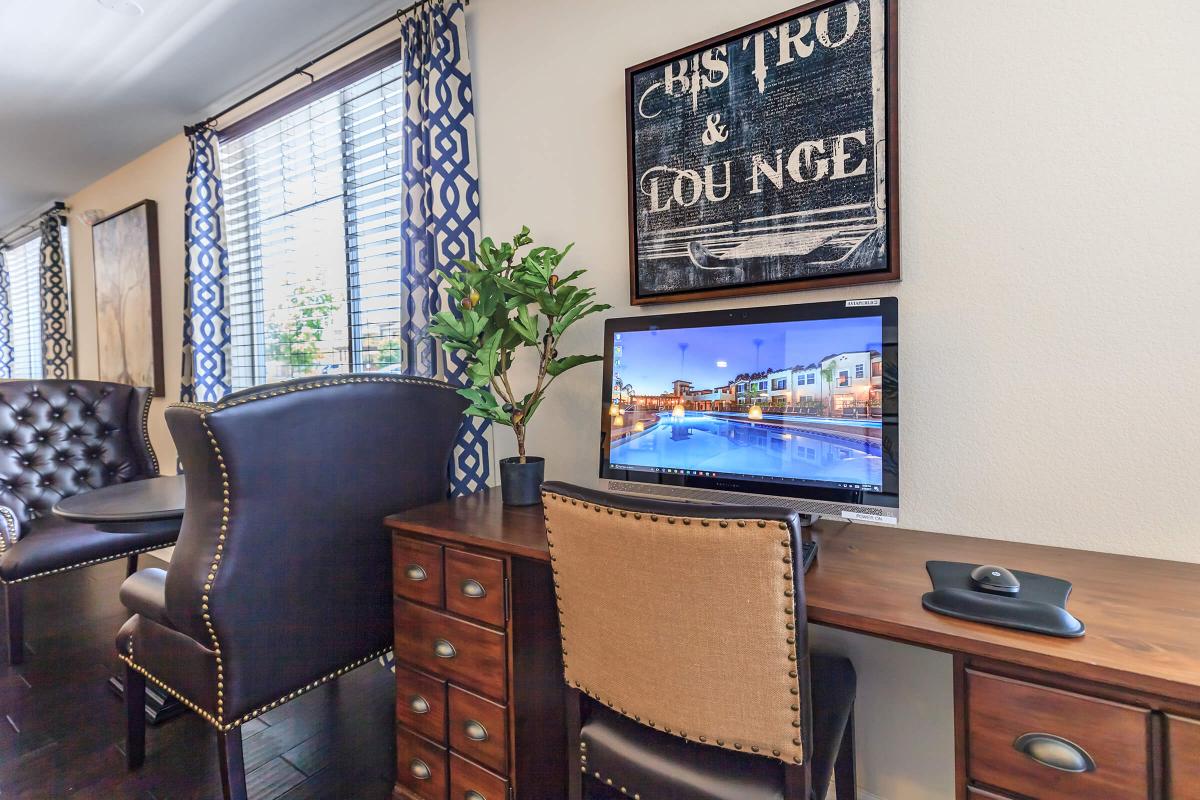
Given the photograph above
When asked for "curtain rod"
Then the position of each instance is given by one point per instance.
(33, 223)
(303, 68)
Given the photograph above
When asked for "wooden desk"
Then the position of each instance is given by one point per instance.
(1127, 693)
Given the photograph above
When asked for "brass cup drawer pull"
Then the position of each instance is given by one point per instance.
(443, 649)
(1054, 752)
(473, 795)
(418, 704)
(475, 731)
(415, 573)
(473, 589)
(420, 770)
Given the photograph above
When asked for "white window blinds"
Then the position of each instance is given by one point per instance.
(312, 209)
(24, 295)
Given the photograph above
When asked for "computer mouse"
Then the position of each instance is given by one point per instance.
(995, 580)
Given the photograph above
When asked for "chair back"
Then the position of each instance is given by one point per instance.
(687, 618)
(283, 564)
(60, 438)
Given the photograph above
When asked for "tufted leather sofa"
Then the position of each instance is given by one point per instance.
(60, 438)
(281, 579)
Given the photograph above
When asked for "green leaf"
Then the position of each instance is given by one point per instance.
(561, 254)
(571, 277)
(478, 397)
(496, 414)
(549, 304)
(479, 374)
(489, 353)
(525, 325)
(560, 365)
(574, 315)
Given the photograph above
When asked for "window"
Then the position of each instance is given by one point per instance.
(778, 383)
(843, 378)
(25, 298)
(313, 210)
(812, 378)
(858, 370)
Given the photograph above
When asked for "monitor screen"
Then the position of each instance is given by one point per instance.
(789, 400)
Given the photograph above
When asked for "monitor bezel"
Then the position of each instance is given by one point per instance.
(886, 308)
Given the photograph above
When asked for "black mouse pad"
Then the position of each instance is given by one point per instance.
(1041, 606)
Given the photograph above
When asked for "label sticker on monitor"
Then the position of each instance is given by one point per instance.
(861, 517)
(853, 303)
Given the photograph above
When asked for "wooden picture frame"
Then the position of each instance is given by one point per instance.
(691, 147)
(128, 297)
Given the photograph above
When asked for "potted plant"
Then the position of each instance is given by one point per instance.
(508, 299)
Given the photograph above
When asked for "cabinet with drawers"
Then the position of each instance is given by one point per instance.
(1026, 734)
(478, 663)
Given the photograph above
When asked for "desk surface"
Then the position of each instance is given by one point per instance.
(1142, 615)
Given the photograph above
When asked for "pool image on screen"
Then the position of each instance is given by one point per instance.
(794, 401)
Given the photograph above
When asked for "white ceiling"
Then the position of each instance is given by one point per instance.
(84, 90)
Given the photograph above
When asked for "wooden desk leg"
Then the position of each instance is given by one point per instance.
(960, 727)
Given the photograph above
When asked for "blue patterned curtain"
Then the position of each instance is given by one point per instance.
(441, 203)
(57, 355)
(206, 334)
(6, 348)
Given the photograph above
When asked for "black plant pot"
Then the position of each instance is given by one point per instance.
(521, 484)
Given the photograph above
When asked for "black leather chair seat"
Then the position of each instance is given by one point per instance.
(145, 593)
(51, 543)
(659, 766)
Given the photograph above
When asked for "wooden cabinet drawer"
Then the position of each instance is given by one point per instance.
(421, 767)
(421, 703)
(1183, 758)
(475, 586)
(479, 729)
(417, 570)
(471, 782)
(975, 793)
(1011, 724)
(463, 652)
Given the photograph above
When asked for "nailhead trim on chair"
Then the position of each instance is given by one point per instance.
(214, 567)
(596, 774)
(87, 563)
(208, 717)
(332, 382)
(10, 522)
(146, 434)
(308, 687)
(790, 610)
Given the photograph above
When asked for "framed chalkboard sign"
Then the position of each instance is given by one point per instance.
(765, 159)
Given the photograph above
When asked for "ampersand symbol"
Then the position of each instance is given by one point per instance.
(714, 131)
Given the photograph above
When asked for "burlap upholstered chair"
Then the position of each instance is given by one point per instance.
(686, 657)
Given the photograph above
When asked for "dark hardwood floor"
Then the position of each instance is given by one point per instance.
(62, 731)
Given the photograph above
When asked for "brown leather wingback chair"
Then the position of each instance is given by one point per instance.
(281, 579)
(60, 438)
(686, 655)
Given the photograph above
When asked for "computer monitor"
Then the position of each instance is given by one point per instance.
(792, 405)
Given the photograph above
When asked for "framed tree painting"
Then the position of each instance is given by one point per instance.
(128, 311)
(765, 159)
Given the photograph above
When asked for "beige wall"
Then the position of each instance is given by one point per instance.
(1051, 273)
(159, 176)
